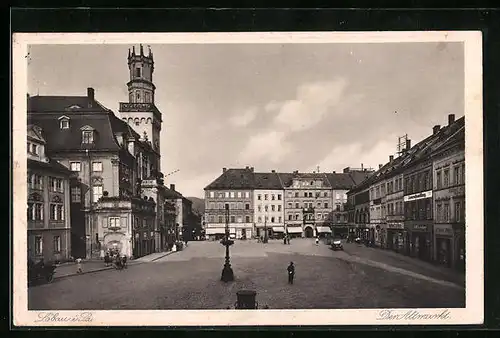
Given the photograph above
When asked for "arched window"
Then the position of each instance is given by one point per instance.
(130, 97)
(138, 96)
(130, 120)
(149, 121)
(143, 120)
(136, 121)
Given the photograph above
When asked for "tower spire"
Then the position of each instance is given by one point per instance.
(142, 50)
(133, 50)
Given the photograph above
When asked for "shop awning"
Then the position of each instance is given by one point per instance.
(324, 230)
(294, 230)
(278, 229)
(215, 231)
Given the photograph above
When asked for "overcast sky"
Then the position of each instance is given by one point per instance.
(271, 106)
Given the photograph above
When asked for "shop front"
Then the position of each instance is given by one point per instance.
(459, 248)
(215, 234)
(244, 233)
(395, 236)
(278, 232)
(420, 240)
(323, 231)
(294, 231)
(443, 244)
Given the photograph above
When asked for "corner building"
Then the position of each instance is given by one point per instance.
(48, 214)
(449, 196)
(234, 188)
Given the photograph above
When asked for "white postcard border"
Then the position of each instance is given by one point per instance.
(473, 313)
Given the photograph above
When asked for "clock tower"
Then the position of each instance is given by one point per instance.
(140, 111)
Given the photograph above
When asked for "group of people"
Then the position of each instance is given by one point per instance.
(114, 257)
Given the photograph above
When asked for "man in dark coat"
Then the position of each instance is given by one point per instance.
(291, 273)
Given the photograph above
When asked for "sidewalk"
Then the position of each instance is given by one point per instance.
(405, 262)
(90, 266)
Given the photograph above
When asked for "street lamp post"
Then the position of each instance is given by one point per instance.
(227, 271)
(265, 228)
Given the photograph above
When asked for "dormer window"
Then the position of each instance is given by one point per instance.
(87, 135)
(64, 122)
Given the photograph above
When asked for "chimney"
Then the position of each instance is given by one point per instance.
(247, 167)
(346, 170)
(391, 158)
(295, 171)
(90, 93)
(380, 166)
(224, 170)
(408, 144)
(273, 171)
(333, 172)
(451, 119)
(251, 169)
(361, 166)
(436, 129)
(172, 187)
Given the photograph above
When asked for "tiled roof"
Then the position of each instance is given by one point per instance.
(45, 111)
(420, 151)
(71, 139)
(45, 104)
(269, 181)
(171, 194)
(342, 181)
(234, 179)
(51, 165)
(247, 179)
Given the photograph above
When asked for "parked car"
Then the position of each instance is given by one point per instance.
(337, 244)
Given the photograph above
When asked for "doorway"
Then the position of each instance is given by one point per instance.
(309, 232)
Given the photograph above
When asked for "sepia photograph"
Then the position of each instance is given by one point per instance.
(246, 177)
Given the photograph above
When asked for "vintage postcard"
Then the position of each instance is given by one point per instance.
(243, 179)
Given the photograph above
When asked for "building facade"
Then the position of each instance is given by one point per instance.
(423, 191)
(449, 197)
(294, 204)
(392, 233)
(48, 214)
(233, 188)
(268, 205)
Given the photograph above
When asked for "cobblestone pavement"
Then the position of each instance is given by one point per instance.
(190, 279)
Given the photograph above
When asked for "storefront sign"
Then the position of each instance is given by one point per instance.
(398, 226)
(418, 196)
(445, 230)
(419, 227)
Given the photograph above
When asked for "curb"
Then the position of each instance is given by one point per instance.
(110, 267)
(91, 271)
(165, 255)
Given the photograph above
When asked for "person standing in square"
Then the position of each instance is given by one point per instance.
(291, 273)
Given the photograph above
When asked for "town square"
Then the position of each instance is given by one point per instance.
(245, 176)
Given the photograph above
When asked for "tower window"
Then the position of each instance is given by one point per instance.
(138, 72)
(138, 96)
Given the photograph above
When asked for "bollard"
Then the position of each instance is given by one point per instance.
(246, 300)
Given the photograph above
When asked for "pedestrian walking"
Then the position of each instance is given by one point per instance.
(102, 254)
(291, 273)
(317, 240)
(284, 239)
(79, 268)
(288, 240)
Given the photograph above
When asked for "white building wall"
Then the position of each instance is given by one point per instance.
(275, 208)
